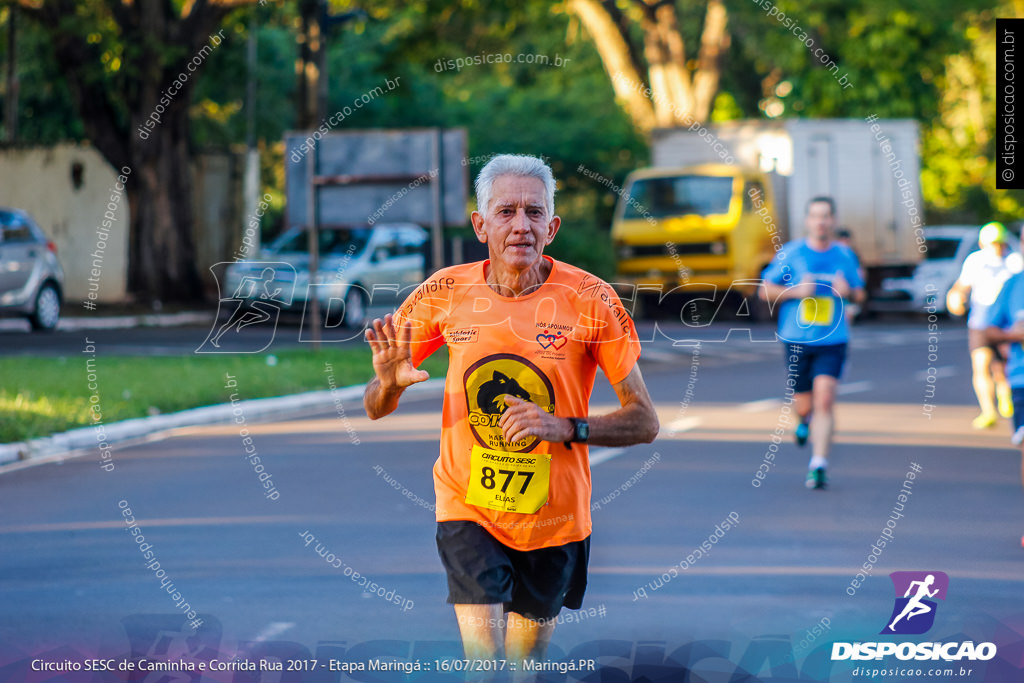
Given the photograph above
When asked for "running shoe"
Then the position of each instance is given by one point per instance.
(1005, 403)
(816, 478)
(802, 430)
(985, 420)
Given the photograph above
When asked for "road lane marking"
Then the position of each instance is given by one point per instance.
(271, 630)
(685, 424)
(661, 356)
(939, 373)
(855, 387)
(600, 455)
(758, 406)
(167, 522)
(794, 570)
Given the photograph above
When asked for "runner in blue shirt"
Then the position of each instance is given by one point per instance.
(1006, 326)
(809, 282)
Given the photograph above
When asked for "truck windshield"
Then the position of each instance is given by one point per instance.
(699, 195)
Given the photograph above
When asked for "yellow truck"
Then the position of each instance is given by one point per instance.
(692, 226)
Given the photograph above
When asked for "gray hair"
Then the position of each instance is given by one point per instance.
(521, 165)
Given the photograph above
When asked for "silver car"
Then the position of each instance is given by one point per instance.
(357, 266)
(31, 279)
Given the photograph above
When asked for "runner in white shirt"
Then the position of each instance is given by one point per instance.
(983, 275)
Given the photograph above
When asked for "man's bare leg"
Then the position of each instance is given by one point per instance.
(803, 404)
(526, 639)
(984, 387)
(483, 636)
(1004, 395)
(823, 425)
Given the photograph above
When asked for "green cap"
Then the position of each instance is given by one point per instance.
(993, 233)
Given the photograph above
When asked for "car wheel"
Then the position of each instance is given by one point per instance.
(47, 309)
(357, 307)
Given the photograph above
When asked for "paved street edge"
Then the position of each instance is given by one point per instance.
(81, 441)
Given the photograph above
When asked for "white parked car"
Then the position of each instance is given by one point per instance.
(948, 248)
(383, 262)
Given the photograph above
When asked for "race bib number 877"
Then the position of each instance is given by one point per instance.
(511, 482)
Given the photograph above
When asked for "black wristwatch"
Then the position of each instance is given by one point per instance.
(580, 431)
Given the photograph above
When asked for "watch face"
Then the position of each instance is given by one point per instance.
(582, 430)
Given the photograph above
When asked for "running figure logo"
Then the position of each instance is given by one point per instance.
(914, 613)
(256, 300)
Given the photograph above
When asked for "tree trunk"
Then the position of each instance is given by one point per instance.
(677, 96)
(161, 251)
(713, 43)
(161, 256)
(666, 64)
(612, 45)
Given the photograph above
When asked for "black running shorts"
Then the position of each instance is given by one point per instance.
(533, 583)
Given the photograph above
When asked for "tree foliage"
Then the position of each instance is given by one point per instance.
(926, 59)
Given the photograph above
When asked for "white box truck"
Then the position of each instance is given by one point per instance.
(718, 202)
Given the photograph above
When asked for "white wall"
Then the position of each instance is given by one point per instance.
(39, 181)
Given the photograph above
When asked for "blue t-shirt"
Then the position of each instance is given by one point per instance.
(819, 320)
(1007, 311)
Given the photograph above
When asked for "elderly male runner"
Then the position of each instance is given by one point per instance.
(525, 336)
(812, 278)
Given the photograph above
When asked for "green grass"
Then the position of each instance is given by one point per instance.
(43, 396)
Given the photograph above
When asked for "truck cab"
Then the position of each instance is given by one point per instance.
(695, 229)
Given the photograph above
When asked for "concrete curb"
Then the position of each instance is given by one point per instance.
(83, 440)
(115, 322)
(118, 322)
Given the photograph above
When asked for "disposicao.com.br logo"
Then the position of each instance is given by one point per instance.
(913, 614)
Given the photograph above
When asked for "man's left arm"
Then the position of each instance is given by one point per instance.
(850, 285)
(635, 422)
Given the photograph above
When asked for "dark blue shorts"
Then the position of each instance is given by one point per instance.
(812, 361)
(533, 583)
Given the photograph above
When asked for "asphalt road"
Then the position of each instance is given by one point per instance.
(768, 600)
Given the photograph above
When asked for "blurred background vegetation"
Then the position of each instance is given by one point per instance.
(930, 60)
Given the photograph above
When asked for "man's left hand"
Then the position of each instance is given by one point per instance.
(841, 286)
(523, 419)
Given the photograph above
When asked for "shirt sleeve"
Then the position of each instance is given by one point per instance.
(611, 334)
(852, 270)
(777, 272)
(1015, 263)
(998, 315)
(967, 273)
(423, 310)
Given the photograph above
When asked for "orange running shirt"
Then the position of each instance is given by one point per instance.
(545, 347)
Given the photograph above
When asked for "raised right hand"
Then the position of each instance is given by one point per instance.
(392, 354)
